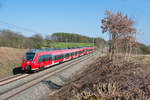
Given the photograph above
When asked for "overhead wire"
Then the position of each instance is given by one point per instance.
(18, 27)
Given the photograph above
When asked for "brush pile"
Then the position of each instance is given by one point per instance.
(107, 80)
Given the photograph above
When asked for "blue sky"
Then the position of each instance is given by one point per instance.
(74, 16)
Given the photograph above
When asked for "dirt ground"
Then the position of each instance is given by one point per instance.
(104, 80)
(10, 61)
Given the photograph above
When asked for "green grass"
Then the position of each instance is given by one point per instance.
(65, 45)
(144, 57)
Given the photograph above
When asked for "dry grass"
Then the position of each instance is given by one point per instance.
(9, 59)
(104, 80)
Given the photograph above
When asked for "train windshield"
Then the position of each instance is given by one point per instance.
(30, 56)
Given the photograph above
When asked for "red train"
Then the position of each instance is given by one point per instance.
(36, 59)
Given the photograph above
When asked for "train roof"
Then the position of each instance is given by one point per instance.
(44, 50)
(55, 50)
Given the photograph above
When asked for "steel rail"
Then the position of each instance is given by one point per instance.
(10, 93)
(12, 79)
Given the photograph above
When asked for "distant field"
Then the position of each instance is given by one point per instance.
(65, 45)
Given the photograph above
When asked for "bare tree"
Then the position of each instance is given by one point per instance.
(117, 26)
(37, 37)
(48, 40)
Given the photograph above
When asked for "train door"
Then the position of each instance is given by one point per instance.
(46, 60)
(50, 59)
(40, 62)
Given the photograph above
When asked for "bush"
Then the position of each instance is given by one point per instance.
(144, 49)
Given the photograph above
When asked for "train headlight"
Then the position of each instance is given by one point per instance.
(27, 68)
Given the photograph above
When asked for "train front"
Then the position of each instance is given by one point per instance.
(28, 61)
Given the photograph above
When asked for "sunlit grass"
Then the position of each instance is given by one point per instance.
(69, 45)
(145, 57)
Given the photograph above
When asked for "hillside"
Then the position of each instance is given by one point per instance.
(12, 39)
(67, 45)
(71, 37)
(10, 60)
(143, 49)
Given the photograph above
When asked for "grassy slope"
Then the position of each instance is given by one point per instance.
(10, 58)
(64, 45)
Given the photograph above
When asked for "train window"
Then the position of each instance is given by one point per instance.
(72, 54)
(76, 53)
(29, 56)
(40, 59)
(62, 56)
(80, 52)
(46, 57)
(43, 58)
(67, 55)
(59, 57)
(55, 58)
(49, 57)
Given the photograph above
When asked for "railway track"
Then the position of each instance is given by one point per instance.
(7, 78)
(14, 91)
(12, 79)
